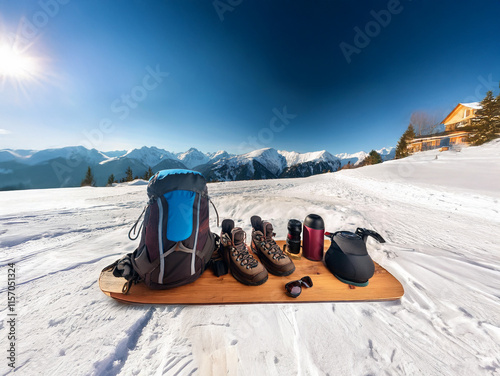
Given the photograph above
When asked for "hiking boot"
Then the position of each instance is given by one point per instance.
(243, 266)
(270, 254)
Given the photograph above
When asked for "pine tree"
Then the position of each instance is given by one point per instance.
(89, 179)
(372, 158)
(402, 146)
(111, 179)
(486, 124)
(496, 112)
(148, 174)
(129, 175)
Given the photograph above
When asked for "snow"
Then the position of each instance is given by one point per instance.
(268, 157)
(151, 156)
(136, 182)
(472, 168)
(9, 155)
(218, 154)
(112, 162)
(440, 218)
(355, 158)
(474, 105)
(193, 158)
(278, 160)
(114, 153)
(294, 158)
(148, 156)
(33, 157)
(387, 153)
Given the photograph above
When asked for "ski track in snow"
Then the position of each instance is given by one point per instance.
(441, 244)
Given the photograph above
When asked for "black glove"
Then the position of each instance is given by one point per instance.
(124, 268)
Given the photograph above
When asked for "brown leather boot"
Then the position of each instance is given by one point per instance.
(243, 266)
(270, 254)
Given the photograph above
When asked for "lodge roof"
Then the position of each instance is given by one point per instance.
(473, 105)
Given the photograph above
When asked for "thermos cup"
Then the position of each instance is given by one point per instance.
(293, 237)
(314, 237)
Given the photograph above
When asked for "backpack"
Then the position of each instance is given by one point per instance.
(176, 243)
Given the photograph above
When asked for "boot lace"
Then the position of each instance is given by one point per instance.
(272, 248)
(242, 255)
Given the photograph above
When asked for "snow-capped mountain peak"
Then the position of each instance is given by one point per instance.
(73, 153)
(9, 155)
(266, 163)
(294, 158)
(354, 158)
(193, 157)
(387, 153)
(149, 156)
(269, 158)
(218, 155)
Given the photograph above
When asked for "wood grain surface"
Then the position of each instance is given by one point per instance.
(209, 289)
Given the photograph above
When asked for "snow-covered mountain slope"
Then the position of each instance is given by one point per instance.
(73, 153)
(18, 153)
(65, 167)
(475, 168)
(8, 155)
(294, 158)
(442, 245)
(221, 154)
(270, 163)
(148, 156)
(354, 159)
(193, 157)
(387, 153)
(267, 157)
(115, 153)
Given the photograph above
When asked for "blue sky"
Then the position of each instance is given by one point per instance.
(240, 75)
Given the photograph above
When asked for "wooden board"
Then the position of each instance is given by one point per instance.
(209, 289)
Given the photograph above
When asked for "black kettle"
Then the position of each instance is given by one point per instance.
(347, 257)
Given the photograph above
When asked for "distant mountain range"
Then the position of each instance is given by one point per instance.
(66, 167)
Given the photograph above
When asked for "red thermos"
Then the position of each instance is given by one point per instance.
(314, 237)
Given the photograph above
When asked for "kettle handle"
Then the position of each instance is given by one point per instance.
(365, 233)
(331, 235)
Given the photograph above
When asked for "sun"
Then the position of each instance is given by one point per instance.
(16, 65)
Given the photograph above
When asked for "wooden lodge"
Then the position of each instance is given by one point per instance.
(456, 130)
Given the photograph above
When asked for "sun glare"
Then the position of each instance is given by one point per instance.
(16, 64)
